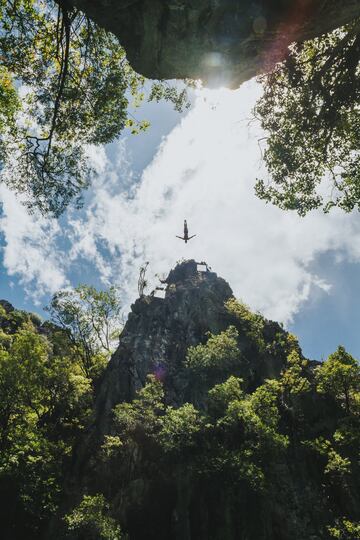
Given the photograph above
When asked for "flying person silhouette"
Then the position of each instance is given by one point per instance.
(186, 236)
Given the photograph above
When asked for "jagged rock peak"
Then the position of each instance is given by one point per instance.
(190, 270)
(156, 340)
(160, 330)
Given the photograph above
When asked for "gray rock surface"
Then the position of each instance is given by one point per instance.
(222, 42)
(158, 333)
(159, 504)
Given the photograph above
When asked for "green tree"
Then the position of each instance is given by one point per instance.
(179, 430)
(344, 529)
(76, 87)
(219, 355)
(252, 324)
(141, 416)
(238, 437)
(293, 380)
(90, 520)
(148, 422)
(92, 319)
(9, 105)
(339, 376)
(45, 399)
(336, 466)
(244, 439)
(221, 395)
(310, 113)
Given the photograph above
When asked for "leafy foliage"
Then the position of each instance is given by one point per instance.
(219, 354)
(293, 379)
(91, 521)
(344, 529)
(236, 440)
(141, 416)
(310, 113)
(9, 102)
(244, 445)
(248, 429)
(92, 319)
(45, 401)
(47, 391)
(76, 87)
(339, 376)
(251, 323)
(336, 464)
(147, 418)
(180, 428)
(237, 436)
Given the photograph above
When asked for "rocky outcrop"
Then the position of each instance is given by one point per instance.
(155, 341)
(6, 306)
(159, 331)
(222, 42)
(194, 492)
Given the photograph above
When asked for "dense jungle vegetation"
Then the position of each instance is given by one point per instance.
(253, 442)
(48, 375)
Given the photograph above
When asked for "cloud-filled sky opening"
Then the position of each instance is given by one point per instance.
(202, 166)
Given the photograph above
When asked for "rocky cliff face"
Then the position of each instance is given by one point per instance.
(221, 42)
(208, 424)
(157, 497)
(159, 332)
(230, 441)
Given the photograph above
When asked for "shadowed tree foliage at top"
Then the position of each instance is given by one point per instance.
(64, 84)
(310, 112)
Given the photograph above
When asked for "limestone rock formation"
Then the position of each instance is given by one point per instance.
(208, 484)
(233, 439)
(159, 332)
(221, 42)
(155, 340)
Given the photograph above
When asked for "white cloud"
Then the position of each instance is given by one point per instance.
(205, 171)
(30, 248)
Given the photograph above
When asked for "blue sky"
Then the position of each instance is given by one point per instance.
(200, 165)
(328, 320)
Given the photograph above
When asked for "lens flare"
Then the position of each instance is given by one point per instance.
(160, 372)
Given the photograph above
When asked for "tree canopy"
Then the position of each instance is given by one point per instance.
(48, 373)
(311, 117)
(247, 443)
(235, 441)
(92, 321)
(65, 84)
(45, 401)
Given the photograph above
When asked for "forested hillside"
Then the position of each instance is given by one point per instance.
(208, 422)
